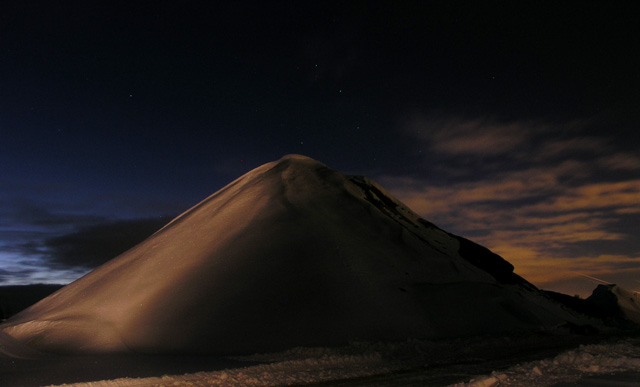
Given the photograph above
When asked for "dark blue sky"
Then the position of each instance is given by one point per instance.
(515, 125)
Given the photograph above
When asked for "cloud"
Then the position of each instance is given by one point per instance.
(8, 276)
(562, 147)
(549, 194)
(94, 245)
(524, 188)
(53, 240)
(622, 196)
(481, 136)
(620, 161)
(25, 213)
(16, 268)
(37, 257)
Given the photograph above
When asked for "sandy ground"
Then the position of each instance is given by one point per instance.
(392, 364)
(73, 369)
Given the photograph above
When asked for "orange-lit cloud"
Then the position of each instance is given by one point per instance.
(618, 195)
(557, 148)
(479, 136)
(548, 197)
(621, 161)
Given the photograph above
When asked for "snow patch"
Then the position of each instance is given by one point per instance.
(567, 367)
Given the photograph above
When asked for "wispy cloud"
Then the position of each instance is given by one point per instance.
(621, 161)
(622, 195)
(94, 245)
(65, 257)
(62, 243)
(475, 137)
(549, 190)
(559, 148)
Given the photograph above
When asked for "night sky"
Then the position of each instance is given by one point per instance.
(514, 125)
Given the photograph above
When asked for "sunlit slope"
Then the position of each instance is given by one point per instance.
(290, 254)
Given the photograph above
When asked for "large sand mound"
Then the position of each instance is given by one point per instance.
(290, 254)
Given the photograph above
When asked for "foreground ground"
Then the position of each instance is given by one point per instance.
(539, 360)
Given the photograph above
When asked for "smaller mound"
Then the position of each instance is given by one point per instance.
(617, 302)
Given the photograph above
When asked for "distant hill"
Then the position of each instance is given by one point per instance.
(15, 298)
(617, 302)
(614, 305)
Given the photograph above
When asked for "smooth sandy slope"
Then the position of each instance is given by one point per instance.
(291, 254)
